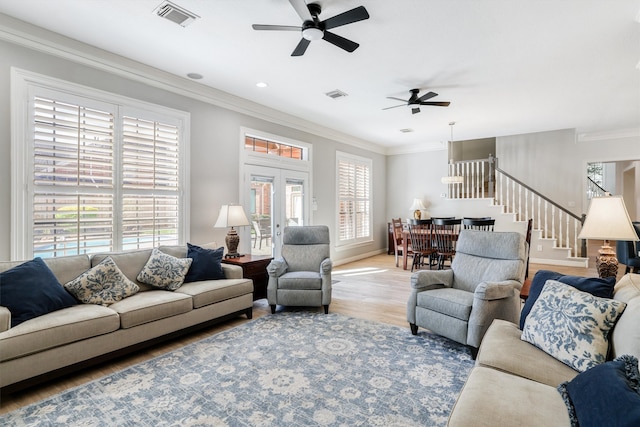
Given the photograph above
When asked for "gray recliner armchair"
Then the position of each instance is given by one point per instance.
(302, 275)
(483, 284)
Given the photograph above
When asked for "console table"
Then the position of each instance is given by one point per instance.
(254, 267)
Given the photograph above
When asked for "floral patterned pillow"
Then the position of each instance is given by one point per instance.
(164, 271)
(103, 284)
(571, 325)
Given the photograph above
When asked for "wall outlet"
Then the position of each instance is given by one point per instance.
(443, 195)
(539, 248)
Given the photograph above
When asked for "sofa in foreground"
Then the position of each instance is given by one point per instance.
(53, 343)
(515, 382)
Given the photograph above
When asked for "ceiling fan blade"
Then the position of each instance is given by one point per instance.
(436, 104)
(395, 106)
(426, 96)
(301, 8)
(276, 27)
(415, 110)
(301, 48)
(354, 15)
(397, 99)
(341, 42)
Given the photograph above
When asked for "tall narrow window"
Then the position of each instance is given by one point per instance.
(95, 172)
(354, 198)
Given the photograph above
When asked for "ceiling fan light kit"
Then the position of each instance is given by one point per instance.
(415, 101)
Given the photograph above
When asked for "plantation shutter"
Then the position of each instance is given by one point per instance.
(354, 216)
(73, 178)
(150, 168)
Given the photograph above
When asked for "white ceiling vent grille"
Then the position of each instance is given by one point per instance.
(175, 13)
(335, 94)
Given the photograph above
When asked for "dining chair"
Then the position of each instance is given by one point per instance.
(398, 238)
(421, 234)
(446, 233)
(482, 224)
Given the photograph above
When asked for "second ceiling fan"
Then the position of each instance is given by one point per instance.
(416, 100)
(314, 29)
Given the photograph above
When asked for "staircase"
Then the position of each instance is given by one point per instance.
(554, 237)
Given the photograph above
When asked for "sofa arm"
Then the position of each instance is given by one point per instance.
(232, 271)
(277, 267)
(496, 290)
(5, 319)
(326, 266)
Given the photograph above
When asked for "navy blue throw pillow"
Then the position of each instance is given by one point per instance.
(206, 264)
(30, 290)
(605, 395)
(602, 288)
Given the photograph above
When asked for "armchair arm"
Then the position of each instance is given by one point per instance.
(326, 266)
(277, 267)
(496, 290)
(424, 280)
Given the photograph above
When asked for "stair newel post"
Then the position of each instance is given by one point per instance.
(583, 246)
(492, 173)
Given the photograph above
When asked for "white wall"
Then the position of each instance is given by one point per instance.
(214, 169)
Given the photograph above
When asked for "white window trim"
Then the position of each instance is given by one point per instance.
(262, 159)
(24, 84)
(340, 244)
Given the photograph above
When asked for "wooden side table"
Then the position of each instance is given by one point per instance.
(524, 292)
(254, 267)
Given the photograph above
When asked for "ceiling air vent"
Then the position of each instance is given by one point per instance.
(335, 94)
(175, 14)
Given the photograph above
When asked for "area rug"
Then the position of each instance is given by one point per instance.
(287, 369)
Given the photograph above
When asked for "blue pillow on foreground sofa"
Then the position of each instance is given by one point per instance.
(595, 286)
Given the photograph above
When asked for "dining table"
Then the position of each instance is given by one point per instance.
(406, 242)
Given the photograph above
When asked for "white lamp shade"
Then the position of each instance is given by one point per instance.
(231, 216)
(417, 205)
(608, 219)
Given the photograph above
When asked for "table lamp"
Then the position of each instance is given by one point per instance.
(417, 208)
(607, 219)
(232, 216)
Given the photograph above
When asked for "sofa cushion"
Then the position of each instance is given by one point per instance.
(300, 280)
(503, 349)
(596, 286)
(571, 325)
(164, 271)
(450, 301)
(145, 307)
(58, 328)
(103, 284)
(206, 264)
(625, 338)
(491, 398)
(607, 394)
(30, 290)
(129, 262)
(207, 292)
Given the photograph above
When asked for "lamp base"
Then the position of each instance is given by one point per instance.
(606, 262)
(232, 240)
(417, 214)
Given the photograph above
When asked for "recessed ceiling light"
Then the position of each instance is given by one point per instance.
(194, 76)
(261, 84)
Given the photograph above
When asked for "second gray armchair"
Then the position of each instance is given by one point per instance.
(483, 284)
(302, 275)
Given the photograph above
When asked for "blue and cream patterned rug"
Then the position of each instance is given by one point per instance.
(287, 369)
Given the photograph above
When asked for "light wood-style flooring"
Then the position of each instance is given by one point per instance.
(372, 288)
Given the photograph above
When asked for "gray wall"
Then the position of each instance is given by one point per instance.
(214, 169)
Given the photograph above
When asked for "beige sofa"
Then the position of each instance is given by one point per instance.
(86, 332)
(514, 383)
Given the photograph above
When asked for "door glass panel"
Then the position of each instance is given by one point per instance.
(294, 209)
(261, 214)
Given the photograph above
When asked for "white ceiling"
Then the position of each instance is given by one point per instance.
(507, 66)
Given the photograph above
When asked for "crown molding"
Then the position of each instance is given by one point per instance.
(39, 39)
(609, 135)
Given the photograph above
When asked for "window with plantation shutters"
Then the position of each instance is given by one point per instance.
(95, 172)
(354, 198)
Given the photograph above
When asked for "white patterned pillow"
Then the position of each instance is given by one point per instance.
(103, 284)
(571, 325)
(164, 271)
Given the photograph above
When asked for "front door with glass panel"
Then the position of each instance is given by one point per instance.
(275, 198)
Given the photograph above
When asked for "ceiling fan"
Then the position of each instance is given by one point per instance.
(314, 29)
(414, 99)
